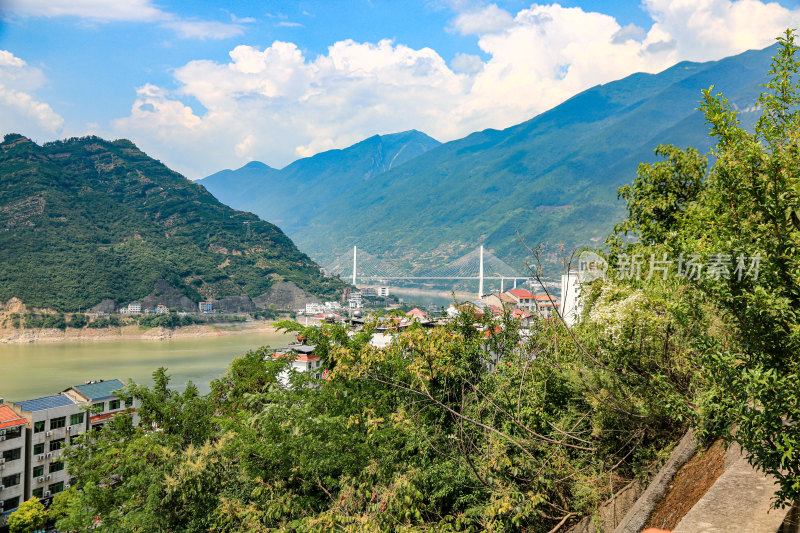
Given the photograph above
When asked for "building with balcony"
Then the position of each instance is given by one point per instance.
(303, 360)
(51, 423)
(104, 404)
(12, 459)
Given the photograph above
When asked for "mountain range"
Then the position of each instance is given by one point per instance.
(292, 195)
(549, 180)
(85, 220)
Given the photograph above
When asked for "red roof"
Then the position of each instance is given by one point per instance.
(300, 356)
(106, 416)
(417, 313)
(8, 418)
(521, 313)
(520, 293)
(544, 297)
(489, 332)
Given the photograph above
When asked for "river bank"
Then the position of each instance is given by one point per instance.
(35, 369)
(133, 332)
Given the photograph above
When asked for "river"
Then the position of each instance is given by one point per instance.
(38, 369)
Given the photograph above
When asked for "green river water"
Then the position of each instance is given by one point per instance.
(38, 369)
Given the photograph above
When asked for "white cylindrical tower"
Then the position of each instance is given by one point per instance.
(354, 265)
(480, 276)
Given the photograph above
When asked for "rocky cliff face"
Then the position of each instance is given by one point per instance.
(86, 219)
(165, 294)
(285, 295)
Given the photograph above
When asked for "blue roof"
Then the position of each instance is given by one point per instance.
(48, 402)
(100, 390)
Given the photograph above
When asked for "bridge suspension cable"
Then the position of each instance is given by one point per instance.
(476, 265)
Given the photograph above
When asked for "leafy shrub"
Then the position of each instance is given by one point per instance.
(78, 321)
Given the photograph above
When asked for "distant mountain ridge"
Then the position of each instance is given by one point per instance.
(288, 196)
(86, 220)
(550, 180)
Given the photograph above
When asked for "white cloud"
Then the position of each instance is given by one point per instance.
(707, 29)
(488, 19)
(127, 10)
(276, 104)
(467, 63)
(289, 24)
(104, 10)
(629, 32)
(203, 29)
(20, 111)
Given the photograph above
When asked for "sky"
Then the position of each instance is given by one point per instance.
(206, 85)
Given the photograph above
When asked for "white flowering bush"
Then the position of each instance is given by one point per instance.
(621, 313)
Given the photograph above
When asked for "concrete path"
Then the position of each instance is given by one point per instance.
(738, 502)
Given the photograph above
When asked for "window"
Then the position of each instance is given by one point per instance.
(55, 488)
(76, 419)
(38, 493)
(128, 402)
(38, 449)
(11, 503)
(55, 466)
(56, 444)
(99, 407)
(12, 455)
(38, 427)
(38, 471)
(113, 404)
(10, 481)
(14, 433)
(98, 427)
(56, 423)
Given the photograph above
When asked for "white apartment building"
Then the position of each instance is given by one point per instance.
(104, 403)
(571, 304)
(314, 309)
(12, 461)
(354, 301)
(52, 423)
(304, 360)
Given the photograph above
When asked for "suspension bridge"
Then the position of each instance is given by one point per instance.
(477, 265)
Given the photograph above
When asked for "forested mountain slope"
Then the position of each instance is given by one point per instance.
(553, 178)
(86, 219)
(290, 195)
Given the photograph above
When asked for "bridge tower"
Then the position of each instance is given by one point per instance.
(354, 265)
(480, 276)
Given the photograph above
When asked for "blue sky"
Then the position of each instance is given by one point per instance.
(211, 85)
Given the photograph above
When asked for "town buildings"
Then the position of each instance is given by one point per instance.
(52, 422)
(571, 304)
(523, 303)
(303, 360)
(13, 440)
(523, 299)
(104, 403)
(33, 434)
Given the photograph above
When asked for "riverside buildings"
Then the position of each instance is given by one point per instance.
(33, 434)
(12, 461)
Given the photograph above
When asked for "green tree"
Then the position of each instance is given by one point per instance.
(658, 197)
(743, 223)
(29, 516)
(748, 216)
(78, 321)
